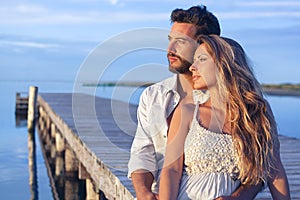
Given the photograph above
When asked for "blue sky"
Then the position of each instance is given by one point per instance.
(98, 19)
(46, 34)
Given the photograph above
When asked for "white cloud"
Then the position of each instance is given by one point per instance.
(253, 15)
(114, 2)
(31, 14)
(28, 44)
(30, 9)
(269, 3)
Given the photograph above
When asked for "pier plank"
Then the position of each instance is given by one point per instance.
(100, 131)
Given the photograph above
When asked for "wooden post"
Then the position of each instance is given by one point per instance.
(82, 173)
(91, 193)
(31, 108)
(33, 184)
(31, 142)
(59, 143)
(71, 188)
(71, 162)
(59, 165)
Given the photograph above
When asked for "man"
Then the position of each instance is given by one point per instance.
(158, 102)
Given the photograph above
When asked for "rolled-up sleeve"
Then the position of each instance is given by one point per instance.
(142, 154)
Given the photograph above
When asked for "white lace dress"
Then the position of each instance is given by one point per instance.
(210, 164)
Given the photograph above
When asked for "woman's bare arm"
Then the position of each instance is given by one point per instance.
(174, 158)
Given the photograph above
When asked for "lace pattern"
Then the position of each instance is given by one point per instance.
(206, 151)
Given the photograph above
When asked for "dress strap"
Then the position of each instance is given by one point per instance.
(196, 111)
(200, 97)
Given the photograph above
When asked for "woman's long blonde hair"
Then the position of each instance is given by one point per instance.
(252, 125)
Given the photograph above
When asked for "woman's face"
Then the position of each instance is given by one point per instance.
(203, 69)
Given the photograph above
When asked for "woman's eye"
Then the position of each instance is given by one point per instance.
(202, 59)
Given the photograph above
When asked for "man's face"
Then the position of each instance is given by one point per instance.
(182, 46)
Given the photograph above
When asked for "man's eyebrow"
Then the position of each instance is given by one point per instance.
(182, 38)
(186, 38)
(178, 37)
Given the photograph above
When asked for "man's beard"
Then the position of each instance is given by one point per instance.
(184, 68)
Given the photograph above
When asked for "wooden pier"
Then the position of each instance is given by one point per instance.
(92, 136)
(21, 103)
(95, 145)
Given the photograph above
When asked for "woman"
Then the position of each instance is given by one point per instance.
(230, 137)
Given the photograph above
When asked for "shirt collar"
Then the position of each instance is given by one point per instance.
(170, 84)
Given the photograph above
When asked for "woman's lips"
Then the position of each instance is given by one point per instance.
(195, 77)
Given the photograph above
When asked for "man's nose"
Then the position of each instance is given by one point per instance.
(171, 47)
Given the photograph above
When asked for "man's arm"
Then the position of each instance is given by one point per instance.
(142, 181)
(278, 182)
(244, 192)
(142, 163)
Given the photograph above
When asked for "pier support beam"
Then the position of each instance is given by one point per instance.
(71, 162)
(71, 188)
(60, 143)
(90, 190)
(31, 108)
(59, 165)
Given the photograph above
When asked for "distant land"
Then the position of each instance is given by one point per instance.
(125, 84)
(285, 89)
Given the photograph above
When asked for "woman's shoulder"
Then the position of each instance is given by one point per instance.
(187, 109)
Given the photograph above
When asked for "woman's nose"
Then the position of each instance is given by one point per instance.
(192, 68)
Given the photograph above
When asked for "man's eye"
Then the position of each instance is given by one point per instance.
(181, 41)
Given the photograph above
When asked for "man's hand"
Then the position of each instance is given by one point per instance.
(142, 181)
(225, 198)
(244, 192)
(147, 196)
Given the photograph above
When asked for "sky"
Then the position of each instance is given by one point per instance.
(39, 36)
(98, 19)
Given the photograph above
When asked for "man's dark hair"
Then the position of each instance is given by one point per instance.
(205, 22)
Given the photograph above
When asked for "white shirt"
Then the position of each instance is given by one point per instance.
(148, 148)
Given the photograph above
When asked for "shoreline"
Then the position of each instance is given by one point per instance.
(281, 92)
